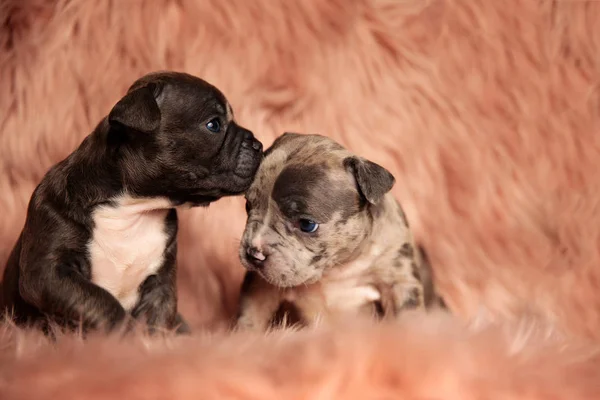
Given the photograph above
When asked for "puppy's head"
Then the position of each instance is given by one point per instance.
(176, 137)
(309, 209)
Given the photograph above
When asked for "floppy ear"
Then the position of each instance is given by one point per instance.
(372, 179)
(137, 110)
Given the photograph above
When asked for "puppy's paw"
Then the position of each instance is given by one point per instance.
(181, 326)
(155, 318)
(244, 323)
(400, 297)
(407, 297)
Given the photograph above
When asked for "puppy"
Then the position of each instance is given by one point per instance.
(325, 237)
(99, 241)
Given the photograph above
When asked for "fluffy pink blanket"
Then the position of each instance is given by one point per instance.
(487, 112)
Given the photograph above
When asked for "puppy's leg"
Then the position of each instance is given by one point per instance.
(400, 283)
(397, 297)
(64, 295)
(312, 308)
(258, 304)
(157, 305)
(182, 326)
(431, 295)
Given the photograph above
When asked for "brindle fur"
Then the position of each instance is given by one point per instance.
(363, 257)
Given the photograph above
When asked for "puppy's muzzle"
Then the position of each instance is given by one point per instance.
(249, 157)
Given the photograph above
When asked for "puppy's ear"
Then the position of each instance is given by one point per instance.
(372, 179)
(137, 110)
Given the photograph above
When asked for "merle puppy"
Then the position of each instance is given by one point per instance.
(99, 241)
(325, 238)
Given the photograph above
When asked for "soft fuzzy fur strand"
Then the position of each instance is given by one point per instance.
(433, 358)
(486, 111)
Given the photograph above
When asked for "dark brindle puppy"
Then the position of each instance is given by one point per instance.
(325, 237)
(99, 241)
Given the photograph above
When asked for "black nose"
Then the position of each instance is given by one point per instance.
(257, 145)
(255, 256)
(250, 141)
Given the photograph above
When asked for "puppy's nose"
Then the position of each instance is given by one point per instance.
(250, 141)
(255, 256)
(256, 145)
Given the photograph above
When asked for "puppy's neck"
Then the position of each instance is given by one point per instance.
(127, 214)
(132, 206)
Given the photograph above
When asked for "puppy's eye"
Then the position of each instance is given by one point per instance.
(214, 125)
(308, 226)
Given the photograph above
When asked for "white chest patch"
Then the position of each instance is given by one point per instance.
(127, 245)
(347, 289)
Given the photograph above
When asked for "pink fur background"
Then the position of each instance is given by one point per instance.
(487, 112)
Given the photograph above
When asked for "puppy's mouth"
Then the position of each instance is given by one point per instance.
(268, 268)
(285, 281)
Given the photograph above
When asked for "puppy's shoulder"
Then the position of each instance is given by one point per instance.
(52, 215)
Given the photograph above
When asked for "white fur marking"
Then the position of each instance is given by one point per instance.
(128, 245)
(344, 287)
(257, 240)
(349, 297)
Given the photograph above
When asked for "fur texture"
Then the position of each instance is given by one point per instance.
(487, 112)
(414, 359)
(324, 236)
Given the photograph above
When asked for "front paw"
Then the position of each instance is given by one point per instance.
(408, 297)
(181, 326)
(249, 323)
(155, 314)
